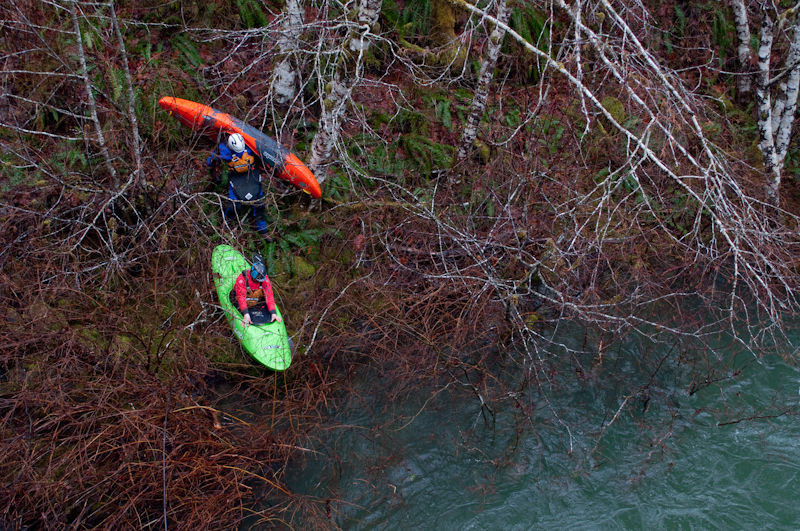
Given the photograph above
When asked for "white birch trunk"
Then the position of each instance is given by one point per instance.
(90, 95)
(767, 144)
(744, 82)
(484, 79)
(137, 155)
(790, 90)
(337, 96)
(284, 76)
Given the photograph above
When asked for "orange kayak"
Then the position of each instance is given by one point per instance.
(274, 157)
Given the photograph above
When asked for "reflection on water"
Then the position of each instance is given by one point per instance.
(440, 461)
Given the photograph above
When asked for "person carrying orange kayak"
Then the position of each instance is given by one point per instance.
(244, 181)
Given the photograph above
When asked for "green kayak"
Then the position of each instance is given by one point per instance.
(268, 343)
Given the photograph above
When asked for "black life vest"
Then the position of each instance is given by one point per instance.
(246, 186)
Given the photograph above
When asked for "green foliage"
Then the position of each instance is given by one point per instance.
(116, 77)
(304, 239)
(615, 108)
(679, 27)
(338, 186)
(628, 181)
(390, 12)
(754, 42)
(280, 255)
(422, 155)
(513, 118)
(183, 44)
(441, 106)
(251, 14)
(677, 30)
(550, 132)
(145, 49)
(72, 159)
(602, 175)
(139, 106)
(667, 40)
(411, 22)
(722, 30)
(12, 175)
(425, 155)
(532, 24)
(792, 162)
(379, 158)
(443, 114)
(682, 210)
(412, 122)
(89, 36)
(216, 14)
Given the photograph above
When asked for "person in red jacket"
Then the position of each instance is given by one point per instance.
(251, 287)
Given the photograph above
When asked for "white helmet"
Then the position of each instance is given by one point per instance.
(236, 143)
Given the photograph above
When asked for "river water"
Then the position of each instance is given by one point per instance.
(438, 460)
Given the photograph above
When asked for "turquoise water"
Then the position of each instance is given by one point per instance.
(438, 460)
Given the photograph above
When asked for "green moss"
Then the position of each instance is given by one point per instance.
(91, 337)
(346, 257)
(278, 269)
(44, 316)
(483, 151)
(615, 108)
(120, 345)
(303, 269)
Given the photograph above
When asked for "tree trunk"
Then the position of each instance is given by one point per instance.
(767, 144)
(84, 73)
(790, 92)
(284, 76)
(743, 80)
(484, 79)
(336, 94)
(775, 119)
(443, 35)
(138, 174)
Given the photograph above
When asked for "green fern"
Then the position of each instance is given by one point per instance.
(513, 118)
(551, 133)
(73, 159)
(532, 25)
(117, 79)
(188, 50)
(443, 113)
(426, 154)
(722, 30)
(679, 27)
(380, 158)
(304, 238)
(441, 106)
(414, 20)
(12, 175)
(337, 186)
(251, 14)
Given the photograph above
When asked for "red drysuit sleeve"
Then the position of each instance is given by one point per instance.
(241, 293)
